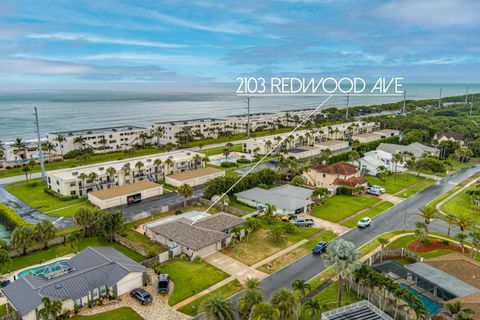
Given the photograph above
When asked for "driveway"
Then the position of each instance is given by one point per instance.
(327, 225)
(157, 310)
(233, 267)
(29, 214)
(391, 198)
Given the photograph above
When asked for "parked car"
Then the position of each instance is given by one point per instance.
(382, 190)
(303, 222)
(289, 217)
(163, 283)
(320, 247)
(374, 192)
(364, 222)
(142, 296)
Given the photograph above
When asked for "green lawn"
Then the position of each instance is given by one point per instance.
(53, 252)
(228, 290)
(338, 208)
(214, 151)
(32, 193)
(418, 187)
(404, 242)
(123, 313)
(189, 278)
(3, 310)
(235, 204)
(461, 205)
(372, 212)
(143, 241)
(70, 163)
(395, 182)
(328, 297)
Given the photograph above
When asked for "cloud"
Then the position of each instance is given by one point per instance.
(100, 39)
(151, 57)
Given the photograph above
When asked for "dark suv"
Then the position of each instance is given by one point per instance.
(163, 283)
(320, 247)
(142, 296)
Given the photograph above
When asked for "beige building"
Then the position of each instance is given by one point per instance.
(100, 176)
(334, 175)
(376, 135)
(195, 129)
(99, 139)
(124, 195)
(336, 146)
(194, 177)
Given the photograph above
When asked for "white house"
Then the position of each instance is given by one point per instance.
(372, 160)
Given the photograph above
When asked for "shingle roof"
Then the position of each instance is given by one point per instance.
(292, 200)
(182, 231)
(93, 268)
(448, 135)
(351, 182)
(341, 167)
(219, 222)
(459, 266)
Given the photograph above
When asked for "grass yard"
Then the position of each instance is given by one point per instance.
(56, 251)
(215, 151)
(259, 247)
(296, 253)
(395, 182)
(190, 278)
(228, 290)
(461, 205)
(32, 193)
(372, 212)
(338, 208)
(144, 242)
(418, 187)
(235, 204)
(328, 297)
(123, 313)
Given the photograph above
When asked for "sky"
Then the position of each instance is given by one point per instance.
(201, 41)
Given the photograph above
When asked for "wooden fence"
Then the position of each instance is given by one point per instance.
(161, 209)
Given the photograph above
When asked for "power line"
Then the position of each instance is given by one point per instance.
(40, 152)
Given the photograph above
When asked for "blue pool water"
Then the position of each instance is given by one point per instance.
(432, 306)
(54, 266)
(229, 159)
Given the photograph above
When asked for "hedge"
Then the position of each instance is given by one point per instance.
(10, 218)
(344, 190)
(59, 196)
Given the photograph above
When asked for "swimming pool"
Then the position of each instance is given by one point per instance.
(228, 159)
(433, 307)
(56, 266)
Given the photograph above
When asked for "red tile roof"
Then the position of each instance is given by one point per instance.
(351, 182)
(343, 168)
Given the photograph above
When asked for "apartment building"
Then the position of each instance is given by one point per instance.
(195, 129)
(99, 139)
(95, 177)
(344, 131)
(258, 121)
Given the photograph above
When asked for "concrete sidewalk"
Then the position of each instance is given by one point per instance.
(233, 267)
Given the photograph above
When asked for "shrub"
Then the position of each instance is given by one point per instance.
(288, 227)
(445, 242)
(10, 218)
(177, 212)
(426, 242)
(59, 196)
(243, 161)
(77, 152)
(344, 190)
(228, 164)
(431, 164)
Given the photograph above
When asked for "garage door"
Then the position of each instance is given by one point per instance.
(128, 285)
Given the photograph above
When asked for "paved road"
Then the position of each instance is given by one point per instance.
(31, 215)
(392, 219)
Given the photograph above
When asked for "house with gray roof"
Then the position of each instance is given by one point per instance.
(199, 237)
(416, 148)
(286, 199)
(90, 274)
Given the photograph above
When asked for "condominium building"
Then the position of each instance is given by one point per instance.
(263, 145)
(258, 121)
(195, 129)
(95, 177)
(99, 139)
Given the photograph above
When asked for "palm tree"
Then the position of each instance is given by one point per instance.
(341, 254)
(419, 233)
(246, 303)
(82, 176)
(19, 144)
(463, 223)
(354, 156)
(22, 238)
(168, 164)
(475, 236)
(73, 239)
(276, 234)
(302, 287)
(44, 231)
(461, 237)
(92, 176)
(218, 308)
(111, 172)
(60, 139)
(197, 159)
(226, 152)
(251, 283)
(80, 140)
(103, 142)
(264, 311)
(185, 191)
(268, 145)
(143, 136)
(139, 165)
(313, 308)
(287, 303)
(456, 311)
(397, 158)
(383, 242)
(451, 220)
(158, 134)
(49, 147)
(85, 218)
(4, 259)
(427, 214)
(51, 310)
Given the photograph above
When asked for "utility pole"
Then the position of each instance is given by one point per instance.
(248, 117)
(466, 96)
(404, 101)
(348, 99)
(440, 99)
(40, 152)
(471, 105)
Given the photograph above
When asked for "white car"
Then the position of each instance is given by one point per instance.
(375, 187)
(364, 222)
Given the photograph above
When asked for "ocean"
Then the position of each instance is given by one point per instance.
(101, 105)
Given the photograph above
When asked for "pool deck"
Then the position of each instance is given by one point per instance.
(10, 276)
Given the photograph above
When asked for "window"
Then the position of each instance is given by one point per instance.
(73, 192)
(78, 302)
(72, 184)
(95, 293)
(103, 290)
